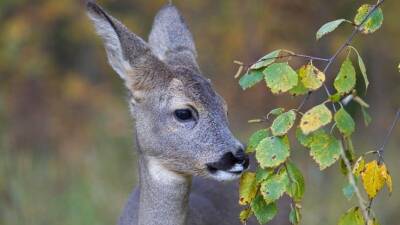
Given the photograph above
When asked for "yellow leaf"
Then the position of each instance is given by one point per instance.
(315, 118)
(247, 188)
(387, 177)
(359, 166)
(373, 179)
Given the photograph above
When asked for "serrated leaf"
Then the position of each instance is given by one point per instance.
(251, 78)
(294, 215)
(283, 123)
(363, 69)
(359, 166)
(387, 177)
(298, 90)
(346, 78)
(373, 179)
(266, 60)
(276, 112)
(280, 77)
(328, 27)
(366, 116)
(264, 212)
(296, 185)
(247, 188)
(263, 174)
(348, 191)
(311, 77)
(245, 215)
(352, 217)
(272, 151)
(255, 139)
(325, 149)
(303, 139)
(315, 118)
(374, 21)
(344, 122)
(274, 187)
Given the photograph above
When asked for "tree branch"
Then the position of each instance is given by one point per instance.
(380, 151)
(386, 140)
(352, 182)
(348, 41)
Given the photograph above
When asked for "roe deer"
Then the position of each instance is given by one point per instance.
(181, 126)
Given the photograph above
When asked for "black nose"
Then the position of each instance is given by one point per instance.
(228, 160)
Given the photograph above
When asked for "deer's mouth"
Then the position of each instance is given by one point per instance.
(224, 172)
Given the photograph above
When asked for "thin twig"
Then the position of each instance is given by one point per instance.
(381, 150)
(292, 54)
(389, 133)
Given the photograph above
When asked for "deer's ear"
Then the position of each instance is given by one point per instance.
(171, 40)
(127, 53)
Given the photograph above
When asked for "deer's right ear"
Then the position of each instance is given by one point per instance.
(127, 53)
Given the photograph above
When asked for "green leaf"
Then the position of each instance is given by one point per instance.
(335, 97)
(294, 215)
(315, 118)
(329, 27)
(374, 21)
(245, 215)
(303, 139)
(255, 139)
(366, 116)
(283, 123)
(311, 77)
(263, 174)
(247, 188)
(344, 122)
(251, 78)
(276, 112)
(324, 149)
(280, 77)
(266, 60)
(346, 79)
(272, 151)
(299, 89)
(274, 187)
(296, 185)
(264, 212)
(348, 191)
(352, 217)
(363, 69)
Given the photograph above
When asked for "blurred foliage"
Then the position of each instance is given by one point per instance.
(66, 146)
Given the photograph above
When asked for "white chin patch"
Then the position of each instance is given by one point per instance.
(221, 175)
(231, 174)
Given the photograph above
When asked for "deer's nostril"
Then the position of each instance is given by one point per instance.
(240, 155)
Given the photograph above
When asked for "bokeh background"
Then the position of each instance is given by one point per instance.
(66, 137)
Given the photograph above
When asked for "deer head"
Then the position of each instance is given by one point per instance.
(181, 122)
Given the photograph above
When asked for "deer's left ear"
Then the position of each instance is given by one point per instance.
(127, 53)
(171, 40)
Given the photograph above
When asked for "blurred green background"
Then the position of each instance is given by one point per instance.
(66, 138)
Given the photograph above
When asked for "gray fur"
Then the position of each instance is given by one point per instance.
(162, 80)
(171, 40)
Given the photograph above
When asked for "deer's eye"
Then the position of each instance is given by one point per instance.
(183, 115)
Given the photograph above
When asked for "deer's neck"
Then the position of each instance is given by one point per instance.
(164, 194)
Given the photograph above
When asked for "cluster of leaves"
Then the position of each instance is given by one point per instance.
(276, 174)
